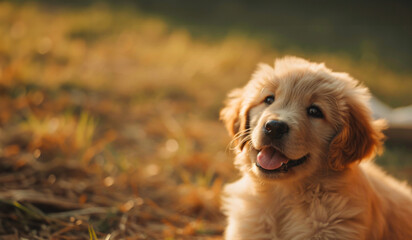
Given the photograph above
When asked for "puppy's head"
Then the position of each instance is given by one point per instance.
(299, 118)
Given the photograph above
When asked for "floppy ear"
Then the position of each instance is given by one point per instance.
(230, 113)
(361, 137)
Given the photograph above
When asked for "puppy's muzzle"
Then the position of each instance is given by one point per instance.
(275, 129)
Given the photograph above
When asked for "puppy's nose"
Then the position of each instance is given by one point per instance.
(275, 129)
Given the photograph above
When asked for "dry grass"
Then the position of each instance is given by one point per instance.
(108, 122)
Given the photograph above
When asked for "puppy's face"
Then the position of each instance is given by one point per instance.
(297, 119)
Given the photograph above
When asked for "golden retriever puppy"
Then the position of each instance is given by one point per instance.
(304, 137)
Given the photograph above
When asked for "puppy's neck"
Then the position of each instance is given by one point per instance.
(318, 180)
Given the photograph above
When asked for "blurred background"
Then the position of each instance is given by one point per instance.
(109, 109)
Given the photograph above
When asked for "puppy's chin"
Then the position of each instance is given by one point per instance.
(284, 169)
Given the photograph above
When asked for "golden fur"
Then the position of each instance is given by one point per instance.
(337, 192)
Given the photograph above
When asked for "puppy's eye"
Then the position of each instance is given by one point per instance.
(269, 99)
(315, 112)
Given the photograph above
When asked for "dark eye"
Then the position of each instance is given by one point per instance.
(269, 99)
(315, 112)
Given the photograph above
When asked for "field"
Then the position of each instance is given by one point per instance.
(109, 120)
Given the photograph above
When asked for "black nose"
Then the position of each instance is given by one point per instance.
(275, 129)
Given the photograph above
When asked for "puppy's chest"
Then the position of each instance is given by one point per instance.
(300, 217)
(284, 219)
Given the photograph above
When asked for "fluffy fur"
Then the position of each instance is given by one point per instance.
(337, 192)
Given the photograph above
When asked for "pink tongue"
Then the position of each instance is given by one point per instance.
(270, 159)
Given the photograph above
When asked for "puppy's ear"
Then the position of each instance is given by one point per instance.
(361, 137)
(230, 113)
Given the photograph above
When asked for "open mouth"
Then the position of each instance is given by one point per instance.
(270, 160)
